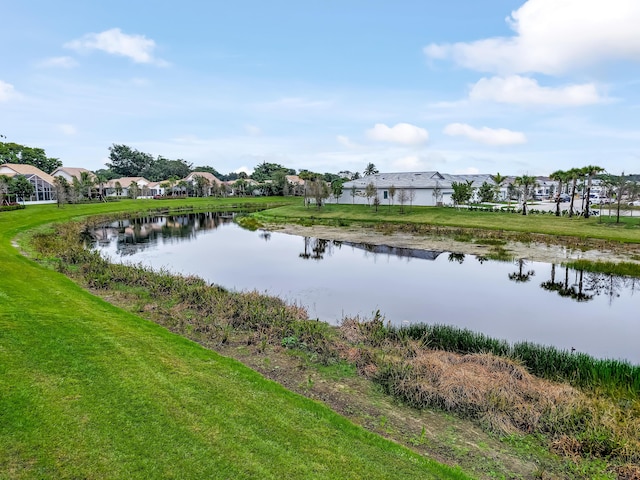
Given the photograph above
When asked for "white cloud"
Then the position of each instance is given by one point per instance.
(58, 62)
(136, 47)
(486, 135)
(244, 169)
(346, 141)
(252, 130)
(67, 129)
(402, 133)
(410, 163)
(519, 90)
(554, 37)
(7, 91)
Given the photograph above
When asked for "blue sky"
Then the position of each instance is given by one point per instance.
(460, 86)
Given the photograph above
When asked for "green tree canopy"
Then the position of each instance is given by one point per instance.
(20, 154)
(128, 162)
(462, 192)
(163, 168)
(266, 171)
(370, 170)
(21, 187)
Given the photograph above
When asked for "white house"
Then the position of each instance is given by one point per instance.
(214, 182)
(419, 188)
(69, 173)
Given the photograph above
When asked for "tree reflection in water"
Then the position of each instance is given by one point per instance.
(521, 275)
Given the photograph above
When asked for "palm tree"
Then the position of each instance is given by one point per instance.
(87, 182)
(5, 181)
(526, 184)
(591, 171)
(498, 180)
(573, 175)
(101, 179)
(370, 170)
(561, 177)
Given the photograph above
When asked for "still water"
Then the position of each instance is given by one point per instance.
(521, 300)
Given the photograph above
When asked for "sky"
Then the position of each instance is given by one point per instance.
(462, 86)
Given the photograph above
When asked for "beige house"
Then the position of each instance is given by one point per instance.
(44, 190)
(125, 185)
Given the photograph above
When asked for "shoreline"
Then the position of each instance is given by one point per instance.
(533, 251)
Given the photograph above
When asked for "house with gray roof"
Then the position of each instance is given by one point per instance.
(420, 188)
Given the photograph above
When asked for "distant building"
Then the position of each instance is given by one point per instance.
(427, 188)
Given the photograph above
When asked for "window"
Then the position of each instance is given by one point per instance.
(385, 194)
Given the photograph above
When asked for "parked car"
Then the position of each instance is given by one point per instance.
(565, 197)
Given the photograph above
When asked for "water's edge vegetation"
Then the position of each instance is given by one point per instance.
(586, 422)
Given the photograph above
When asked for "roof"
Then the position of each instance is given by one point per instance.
(294, 179)
(73, 172)
(125, 182)
(429, 179)
(209, 176)
(27, 170)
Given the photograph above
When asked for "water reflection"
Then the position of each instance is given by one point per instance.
(594, 312)
(134, 235)
(521, 275)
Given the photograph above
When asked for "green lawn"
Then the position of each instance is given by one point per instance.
(604, 228)
(90, 391)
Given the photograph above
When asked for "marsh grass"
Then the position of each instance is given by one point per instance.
(493, 383)
(548, 362)
(628, 269)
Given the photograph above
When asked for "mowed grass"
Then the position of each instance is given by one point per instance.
(605, 228)
(90, 391)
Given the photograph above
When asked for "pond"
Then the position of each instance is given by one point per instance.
(517, 301)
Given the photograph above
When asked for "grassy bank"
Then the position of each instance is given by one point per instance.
(519, 227)
(92, 391)
(499, 394)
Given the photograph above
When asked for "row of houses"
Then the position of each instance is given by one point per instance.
(433, 188)
(45, 190)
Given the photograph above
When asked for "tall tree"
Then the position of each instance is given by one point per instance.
(574, 174)
(462, 192)
(202, 185)
(22, 187)
(370, 192)
(62, 189)
(266, 171)
(498, 180)
(163, 168)
(526, 183)
(370, 170)
(561, 177)
(5, 183)
(20, 154)
(486, 193)
(128, 162)
(337, 188)
(591, 171)
(87, 180)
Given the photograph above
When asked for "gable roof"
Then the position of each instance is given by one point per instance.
(26, 170)
(125, 182)
(401, 180)
(209, 176)
(295, 179)
(72, 172)
(429, 179)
